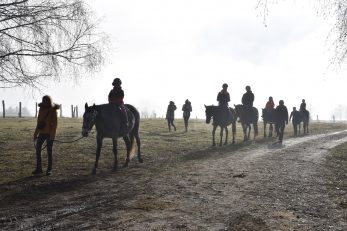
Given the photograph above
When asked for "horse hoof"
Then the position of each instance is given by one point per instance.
(115, 168)
(94, 172)
(213, 145)
(125, 165)
(140, 160)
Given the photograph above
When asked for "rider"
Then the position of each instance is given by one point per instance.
(116, 97)
(303, 106)
(247, 101)
(270, 104)
(223, 98)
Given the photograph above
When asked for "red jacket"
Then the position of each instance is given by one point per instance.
(270, 104)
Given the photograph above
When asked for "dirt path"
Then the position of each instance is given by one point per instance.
(259, 187)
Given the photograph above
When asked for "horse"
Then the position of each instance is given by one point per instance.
(269, 117)
(221, 119)
(305, 116)
(247, 119)
(107, 119)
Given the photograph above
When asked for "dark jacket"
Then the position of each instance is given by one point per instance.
(296, 117)
(186, 108)
(302, 107)
(281, 114)
(248, 99)
(170, 113)
(116, 95)
(223, 98)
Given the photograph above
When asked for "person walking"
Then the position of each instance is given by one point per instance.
(296, 120)
(45, 131)
(186, 108)
(170, 115)
(281, 119)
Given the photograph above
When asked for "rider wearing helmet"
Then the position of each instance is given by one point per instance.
(116, 97)
(247, 101)
(270, 104)
(223, 96)
(303, 106)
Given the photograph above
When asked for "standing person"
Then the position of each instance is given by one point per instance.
(45, 131)
(247, 101)
(186, 108)
(281, 119)
(296, 120)
(170, 115)
(116, 96)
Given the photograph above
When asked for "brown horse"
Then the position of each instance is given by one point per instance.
(247, 118)
(108, 121)
(222, 119)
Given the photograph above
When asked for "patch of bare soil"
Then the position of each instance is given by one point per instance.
(258, 187)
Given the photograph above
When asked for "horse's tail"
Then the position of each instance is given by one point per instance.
(136, 128)
(255, 128)
(255, 124)
(132, 145)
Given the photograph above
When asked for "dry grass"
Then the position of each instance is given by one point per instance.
(160, 148)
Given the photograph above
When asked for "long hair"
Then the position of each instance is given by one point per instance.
(48, 99)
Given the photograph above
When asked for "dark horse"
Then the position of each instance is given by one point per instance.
(305, 117)
(269, 117)
(107, 119)
(221, 119)
(247, 119)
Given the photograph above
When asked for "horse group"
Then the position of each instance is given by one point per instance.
(247, 118)
(269, 117)
(108, 121)
(223, 118)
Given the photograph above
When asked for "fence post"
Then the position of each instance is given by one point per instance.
(61, 111)
(76, 111)
(20, 110)
(36, 110)
(72, 112)
(3, 109)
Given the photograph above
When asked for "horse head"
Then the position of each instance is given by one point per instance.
(209, 113)
(238, 109)
(89, 118)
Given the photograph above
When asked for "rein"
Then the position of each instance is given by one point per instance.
(59, 141)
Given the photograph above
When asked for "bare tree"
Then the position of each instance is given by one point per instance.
(328, 8)
(46, 39)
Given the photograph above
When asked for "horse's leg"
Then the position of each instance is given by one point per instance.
(271, 129)
(138, 143)
(265, 129)
(244, 128)
(233, 127)
(115, 152)
(128, 145)
(98, 151)
(226, 136)
(299, 128)
(213, 135)
(221, 136)
(249, 131)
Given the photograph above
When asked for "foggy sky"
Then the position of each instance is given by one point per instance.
(176, 50)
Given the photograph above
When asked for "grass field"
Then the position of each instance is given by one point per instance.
(160, 148)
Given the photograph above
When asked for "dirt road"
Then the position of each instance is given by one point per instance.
(258, 187)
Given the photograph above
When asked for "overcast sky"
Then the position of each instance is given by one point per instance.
(186, 49)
